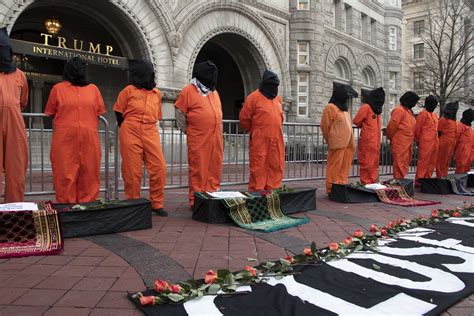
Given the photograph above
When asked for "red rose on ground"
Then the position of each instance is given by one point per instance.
(421, 216)
(384, 232)
(374, 228)
(434, 213)
(456, 214)
(391, 224)
(348, 240)
(358, 233)
(334, 246)
(175, 288)
(210, 277)
(290, 259)
(147, 300)
(252, 271)
(308, 252)
(161, 286)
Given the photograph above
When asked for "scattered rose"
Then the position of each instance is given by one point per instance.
(391, 224)
(252, 271)
(348, 240)
(334, 246)
(210, 277)
(384, 232)
(358, 233)
(308, 252)
(456, 214)
(422, 216)
(374, 228)
(434, 213)
(161, 286)
(175, 288)
(290, 259)
(147, 300)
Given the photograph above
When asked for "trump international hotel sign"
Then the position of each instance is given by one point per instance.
(64, 49)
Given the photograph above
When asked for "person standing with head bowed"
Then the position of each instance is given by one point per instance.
(401, 133)
(138, 109)
(462, 154)
(75, 105)
(262, 116)
(368, 147)
(336, 126)
(13, 143)
(447, 132)
(426, 136)
(199, 115)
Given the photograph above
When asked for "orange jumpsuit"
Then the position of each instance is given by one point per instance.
(13, 144)
(400, 132)
(462, 154)
(263, 118)
(140, 141)
(204, 138)
(426, 135)
(75, 147)
(447, 145)
(368, 147)
(337, 132)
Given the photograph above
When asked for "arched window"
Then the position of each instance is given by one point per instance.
(368, 77)
(341, 69)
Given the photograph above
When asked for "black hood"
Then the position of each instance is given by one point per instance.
(467, 117)
(142, 75)
(339, 97)
(75, 72)
(450, 110)
(269, 84)
(409, 99)
(206, 73)
(6, 53)
(376, 99)
(431, 103)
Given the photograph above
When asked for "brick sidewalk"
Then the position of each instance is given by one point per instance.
(88, 279)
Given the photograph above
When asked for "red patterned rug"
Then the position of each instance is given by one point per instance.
(398, 196)
(30, 233)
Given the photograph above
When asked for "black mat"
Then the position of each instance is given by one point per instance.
(470, 181)
(127, 216)
(409, 276)
(442, 186)
(346, 193)
(212, 210)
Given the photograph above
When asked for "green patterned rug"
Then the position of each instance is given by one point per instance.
(261, 213)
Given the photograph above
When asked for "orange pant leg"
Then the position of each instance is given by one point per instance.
(338, 166)
(401, 155)
(445, 155)
(258, 163)
(88, 184)
(156, 166)
(276, 165)
(131, 150)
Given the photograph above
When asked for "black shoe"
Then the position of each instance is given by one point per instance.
(160, 212)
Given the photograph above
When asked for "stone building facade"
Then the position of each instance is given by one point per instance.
(347, 41)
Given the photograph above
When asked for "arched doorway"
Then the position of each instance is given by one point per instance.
(99, 32)
(240, 68)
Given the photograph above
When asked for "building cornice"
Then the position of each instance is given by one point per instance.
(350, 39)
(269, 9)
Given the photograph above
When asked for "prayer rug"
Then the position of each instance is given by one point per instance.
(398, 196)
(260, 213)
(30, 233)
(458, 187)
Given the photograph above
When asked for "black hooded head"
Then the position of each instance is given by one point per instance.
(75, 72)
(206, 73)
(467, 117)
(339, 97)
(269, 84)
(409, 99)
(450, 110)
(6, 53)
(376, 99)
(142, 75)
(431, 103)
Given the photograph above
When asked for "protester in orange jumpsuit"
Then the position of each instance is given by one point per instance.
(400, 132)
(262, 116)
(138, 106)
(368, 147)
(464, 144)
(75, 105)
(426, 135)
(336, 126)
(199, 115)
(13, 144)
(447, 131)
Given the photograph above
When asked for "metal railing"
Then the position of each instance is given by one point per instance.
(305, 155)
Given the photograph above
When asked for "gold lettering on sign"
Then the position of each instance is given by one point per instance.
(94, 49)
(61, 42)
(78, 45)
(108, 49)
(98, 59)
(75, 45)
(46, 38)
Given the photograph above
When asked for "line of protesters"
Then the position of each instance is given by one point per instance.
(75, 105)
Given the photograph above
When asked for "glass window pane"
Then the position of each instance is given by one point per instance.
(302, 99)
(303, 47)
(303, 78)
(303, 60)
(302, 110)
(303, 89)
